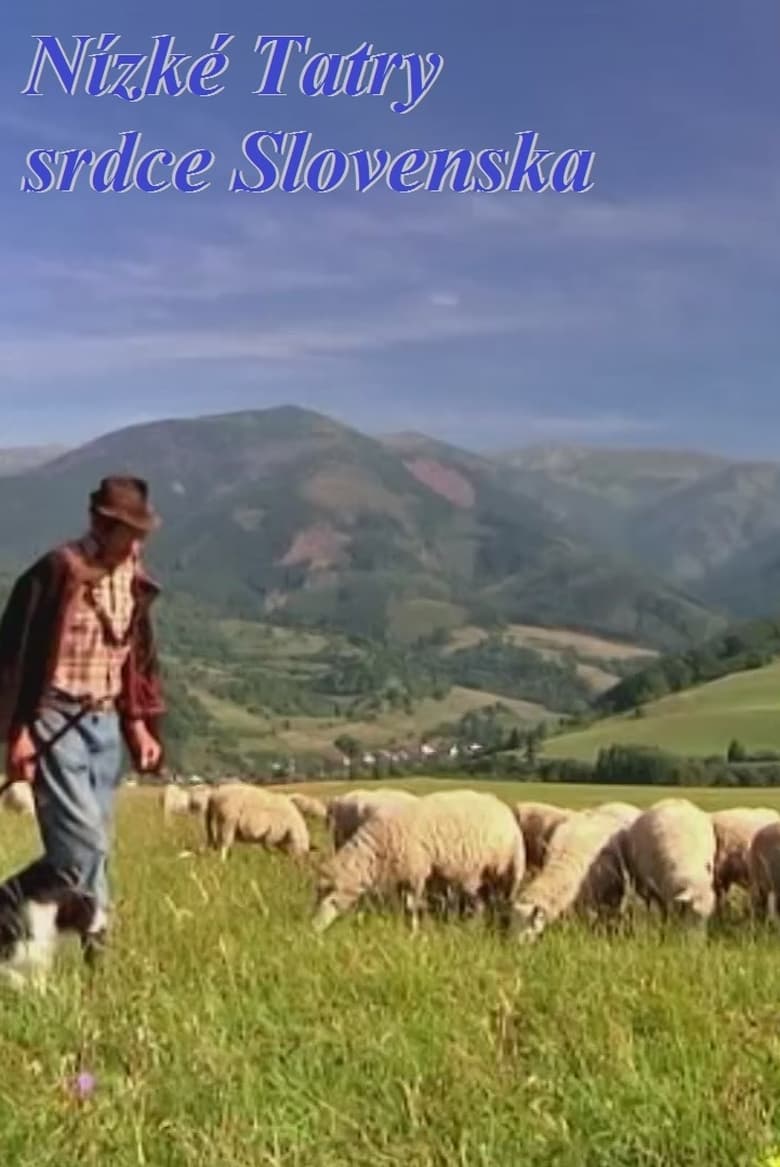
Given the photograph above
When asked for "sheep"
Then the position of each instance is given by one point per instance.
(764, 871)
(198, 799)
(670, 853)
(19, 799)
(624, 811)
(465, 841)
(313, 808)
(174, 800)
(537, 821)
(734, 832)
(248, 814)
(583, 871)
(347, 812)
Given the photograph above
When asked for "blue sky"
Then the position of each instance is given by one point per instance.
(641, 312)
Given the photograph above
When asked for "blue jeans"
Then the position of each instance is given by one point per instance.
(75, 787)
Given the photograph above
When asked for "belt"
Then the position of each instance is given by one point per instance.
(57, 699)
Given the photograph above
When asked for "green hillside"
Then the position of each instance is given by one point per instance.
(700, 721)
(320, 583)
(286, 514)
(255, 735)
(243, 693)
(248, 690)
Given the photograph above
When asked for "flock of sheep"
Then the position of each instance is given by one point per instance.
(527, 865)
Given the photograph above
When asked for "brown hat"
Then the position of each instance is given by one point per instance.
(125, 500)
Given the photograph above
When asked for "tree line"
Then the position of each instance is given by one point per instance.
(748, 646)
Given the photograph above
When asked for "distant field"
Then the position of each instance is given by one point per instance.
(555, 643)
(580, 642)
(264, 641)
(699, 721)
(598, 679)
(222, 1033)
(307, 734)
(557, 639)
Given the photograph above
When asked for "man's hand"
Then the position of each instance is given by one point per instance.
(21, 757)
(145, 747)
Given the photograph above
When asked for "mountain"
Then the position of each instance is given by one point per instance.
(704, 523)
(287, 513)
(712, 525)
(16, 459)
(748, 583)
(572, 584)
(601, 491)
(626, 477)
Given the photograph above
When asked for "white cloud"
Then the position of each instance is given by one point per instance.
(445, 299)
(407, 321)
(510, 426)
(304, 280)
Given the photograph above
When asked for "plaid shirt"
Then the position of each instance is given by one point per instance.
(88, 665)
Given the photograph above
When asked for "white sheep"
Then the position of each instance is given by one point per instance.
(19, 799)
(537, 821)
(670, 853)
(764, 871)
(465, 841)
(248, 814)
(174, 800)
(310, 807)
(347, 812)
(583, 871)
(624, 811)
(198, 799)
(734, 832)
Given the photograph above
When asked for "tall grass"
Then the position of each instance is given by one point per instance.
(221, 1033)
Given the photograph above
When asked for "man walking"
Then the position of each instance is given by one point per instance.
(78, 674)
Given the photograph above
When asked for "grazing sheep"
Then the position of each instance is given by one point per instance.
(347, 812)
(670, 853)
(537, 821)
(764, 871)
(461, 840)
(583, 871)
(734, 832)
(624, 811)
(198, 799)
(311, 808)
(19, 799)
(249, 814)
(174, 800)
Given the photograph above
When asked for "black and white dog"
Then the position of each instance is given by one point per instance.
(37, 910)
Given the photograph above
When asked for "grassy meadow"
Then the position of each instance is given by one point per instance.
(221, 1033)
(699, 721)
